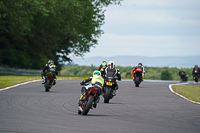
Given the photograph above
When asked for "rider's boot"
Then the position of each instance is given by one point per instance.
(80, 110)
(54, 82)
(114, 93)
(43, 80)
(96, 101)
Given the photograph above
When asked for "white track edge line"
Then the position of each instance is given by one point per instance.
(170, 87)
(18, 85)
(23, 84)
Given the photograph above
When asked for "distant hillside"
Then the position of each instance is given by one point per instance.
(170, 61)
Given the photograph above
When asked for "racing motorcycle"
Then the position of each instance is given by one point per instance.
(108, 88)
(196, 76)
(138, 78)
(49, 81)
(184, 77)
(90, 100)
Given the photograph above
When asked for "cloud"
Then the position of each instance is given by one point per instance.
(150, 28)
(142, 17)
(112, 45)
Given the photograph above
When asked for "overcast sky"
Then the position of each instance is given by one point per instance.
(150, 28)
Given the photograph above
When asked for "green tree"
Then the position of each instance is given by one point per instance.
(166, 75)
(33, 31)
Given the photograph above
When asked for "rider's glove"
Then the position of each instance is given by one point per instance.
(81, 83)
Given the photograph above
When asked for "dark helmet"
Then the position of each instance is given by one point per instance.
(139, 64)
(50, 61)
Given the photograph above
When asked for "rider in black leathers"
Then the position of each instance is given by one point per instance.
(183, 75)
(50, 67)
(111, 71)
(198, 71)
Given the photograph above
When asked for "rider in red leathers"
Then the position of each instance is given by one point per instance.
(140, 68)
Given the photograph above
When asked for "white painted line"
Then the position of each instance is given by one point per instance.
(19, 85)
(23, 84)
(170, 87)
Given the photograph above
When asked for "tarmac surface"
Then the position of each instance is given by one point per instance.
(150, 108)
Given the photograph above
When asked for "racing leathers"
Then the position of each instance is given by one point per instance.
(196, 71)
(139, 68)
(94, 80)
(49, 68)
(182, 73)
(103, 65)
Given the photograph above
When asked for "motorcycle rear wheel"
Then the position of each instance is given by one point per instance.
(47, 86)
(196, 79)
(88, 105)
(107, 94)
(137, 82)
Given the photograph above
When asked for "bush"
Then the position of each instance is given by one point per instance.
(166, 75)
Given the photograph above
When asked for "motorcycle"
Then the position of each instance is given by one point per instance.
(184, 77)
(108, 89)
(138, 78)
(196, 76)
(90, 99)
(48, 81)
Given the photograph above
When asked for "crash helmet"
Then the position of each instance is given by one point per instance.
(139, 64)
(104, 63)
(111, 63)
(196, 66)
(50, 61)
(96, 72)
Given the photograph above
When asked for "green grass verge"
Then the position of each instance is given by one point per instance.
(191, 92)
(6, 81)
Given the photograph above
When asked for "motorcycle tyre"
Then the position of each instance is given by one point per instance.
(137, 81)
(47, 86)
(107, 94)
(88, 105)
(196, 79)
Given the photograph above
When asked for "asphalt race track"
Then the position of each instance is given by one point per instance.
(151, 108)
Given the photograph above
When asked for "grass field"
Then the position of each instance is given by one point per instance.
(191, 92)
(6, 81)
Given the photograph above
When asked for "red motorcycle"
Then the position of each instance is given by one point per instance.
(90, 99)
(48, 81)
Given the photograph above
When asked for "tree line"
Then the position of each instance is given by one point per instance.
(153, 73)
(34, 31)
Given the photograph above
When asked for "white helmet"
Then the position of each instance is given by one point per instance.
(112, 63)
(97, 72)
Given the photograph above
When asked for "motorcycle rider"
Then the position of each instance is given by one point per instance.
(103, 65)
(50, 67)
(97, 80)
(111, 71)
(196, 68)
(140, 68)
(182, 74)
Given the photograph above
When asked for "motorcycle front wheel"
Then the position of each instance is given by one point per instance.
(88, 105)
